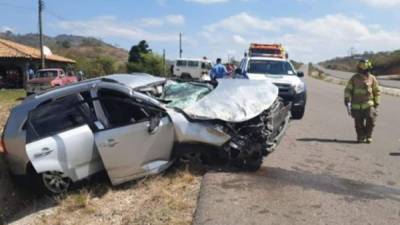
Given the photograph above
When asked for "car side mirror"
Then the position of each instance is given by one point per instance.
(154, 124)
(300, 74)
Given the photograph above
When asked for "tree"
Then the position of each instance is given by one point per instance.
(66, 44)
(150, 63)
(100, 66)
(137, 50)
(143, 60)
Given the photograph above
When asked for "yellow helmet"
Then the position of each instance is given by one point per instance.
(364, 65)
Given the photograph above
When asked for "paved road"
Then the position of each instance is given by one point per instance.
(347, 76)
(318, 175)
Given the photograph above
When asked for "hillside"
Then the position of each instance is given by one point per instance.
(296, 64)
(93, 56)
(385, 63)
(71, 45)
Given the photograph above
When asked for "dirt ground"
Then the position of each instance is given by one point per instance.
(165, 199)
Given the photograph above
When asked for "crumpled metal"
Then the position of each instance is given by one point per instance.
(234, 100)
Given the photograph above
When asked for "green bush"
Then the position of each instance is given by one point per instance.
(150, 63)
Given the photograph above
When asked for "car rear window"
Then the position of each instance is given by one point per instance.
(57, 116)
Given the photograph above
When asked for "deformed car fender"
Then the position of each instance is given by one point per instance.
(196, 131)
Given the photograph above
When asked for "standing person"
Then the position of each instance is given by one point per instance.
(218, 71)
(230, 69)
(362, 98)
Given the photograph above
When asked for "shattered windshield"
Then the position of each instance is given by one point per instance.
(181, 95)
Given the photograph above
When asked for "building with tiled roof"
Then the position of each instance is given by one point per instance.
(16, 60)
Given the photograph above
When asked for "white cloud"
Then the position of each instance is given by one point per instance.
(207, 1)
(382, 3)
(316, 39)
(239, 39)
(6, 28)
(242, 22)
(109, 26)
(151, 22)
(175, 19)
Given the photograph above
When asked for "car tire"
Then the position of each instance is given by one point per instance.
(186, 76)
(53, 182)
(298, 114)
(253, 164)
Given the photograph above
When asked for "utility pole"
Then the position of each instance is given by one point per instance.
(352, 51)
(164, 68)
(41, 6)
(180, 45)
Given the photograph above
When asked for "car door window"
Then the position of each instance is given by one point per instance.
(59, 115)
(121, 109)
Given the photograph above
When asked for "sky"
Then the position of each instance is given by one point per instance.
(311, 30)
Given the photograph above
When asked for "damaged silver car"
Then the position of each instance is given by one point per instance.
(136, 125)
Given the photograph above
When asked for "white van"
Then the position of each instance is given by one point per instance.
(192, 68)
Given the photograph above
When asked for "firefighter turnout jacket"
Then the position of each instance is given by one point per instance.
(362, 91)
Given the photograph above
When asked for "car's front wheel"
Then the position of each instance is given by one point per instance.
(252, 164)
(54, 182)
(298, 113)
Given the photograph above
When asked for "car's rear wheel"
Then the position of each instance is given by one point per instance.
(186, 76)
(54, 182)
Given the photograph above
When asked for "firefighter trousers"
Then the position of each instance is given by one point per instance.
(364, 121)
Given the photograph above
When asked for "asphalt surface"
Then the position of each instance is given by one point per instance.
(318, 175)
(348, 75)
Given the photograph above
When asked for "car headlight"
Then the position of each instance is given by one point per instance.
(217, 130)
(300, 87)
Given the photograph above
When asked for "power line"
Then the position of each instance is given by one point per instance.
(31, 9)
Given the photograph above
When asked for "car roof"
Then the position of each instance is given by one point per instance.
(50, 69)
(133, 81)
(194, 59)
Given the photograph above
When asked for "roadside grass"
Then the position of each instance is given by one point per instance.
(8, 99)
(164, 199)
(11, 95)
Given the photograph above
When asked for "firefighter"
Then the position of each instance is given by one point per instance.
(362, 99)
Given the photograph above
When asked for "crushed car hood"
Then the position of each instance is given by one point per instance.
(234, 100)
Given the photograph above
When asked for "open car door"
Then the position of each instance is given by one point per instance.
(60, 138)
(137, 139)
